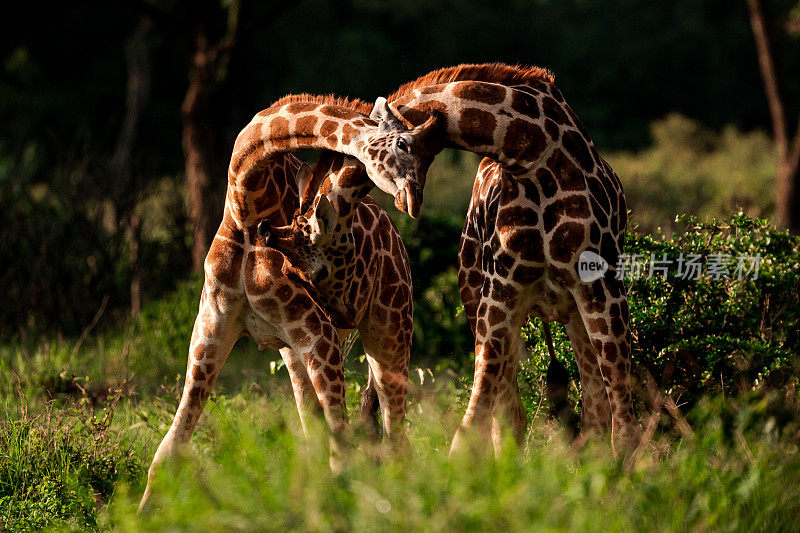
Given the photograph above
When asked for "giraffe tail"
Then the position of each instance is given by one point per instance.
(557, 386)
(369, 409)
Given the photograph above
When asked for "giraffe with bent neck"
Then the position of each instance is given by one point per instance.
(541, 198)
(251, 290)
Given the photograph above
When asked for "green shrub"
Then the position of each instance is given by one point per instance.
(690, 169)
(58, 467)
(718, 336)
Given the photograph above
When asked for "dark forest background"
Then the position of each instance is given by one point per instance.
(117, 119)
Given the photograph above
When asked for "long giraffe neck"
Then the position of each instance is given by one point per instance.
(513, 125)
(280, 129)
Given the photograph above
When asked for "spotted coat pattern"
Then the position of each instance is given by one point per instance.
(250, 289)
(542, 196)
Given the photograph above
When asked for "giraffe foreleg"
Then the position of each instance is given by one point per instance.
(214, 334)
(508, 406)
(325, 370)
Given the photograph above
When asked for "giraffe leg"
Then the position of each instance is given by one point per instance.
(603, 307)
(325, 370)
(304, 394)
(508, 406)
(387, 344)
(596, 411)
(391, 385)
(215, 332)
(496, 350)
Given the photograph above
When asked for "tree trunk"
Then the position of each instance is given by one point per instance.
(198, 143)
(126, 187)
(787, 190)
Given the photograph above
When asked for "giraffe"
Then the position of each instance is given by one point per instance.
(251, 290)
(542, 197)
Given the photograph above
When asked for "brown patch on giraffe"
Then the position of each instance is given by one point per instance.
(527, 244)
(328, 128)
(566, 240)
(496, 315)
(568, 176)
(279, 132)
(561, 276)
(555, 111)
(477, 127)
(503, 292)
(421, 112)
(305, 125)
(523, 140)
(594, 233)
(468, 253)
(300, 107)
(198, 374)
(574, 206)
(299, 336)
(547, 182)
(594, 297)
(485, 93)
(339, 112)
(610, 351)
(578, 148)
(348, 133)
(284, 293)
(597, 325)
(226, 263)
(608, 250)
(552, 129)
(514, 216)
(525, 275)
(525, 104)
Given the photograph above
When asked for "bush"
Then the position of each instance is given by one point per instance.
(58, 467)
(690, 169)
(720, 336)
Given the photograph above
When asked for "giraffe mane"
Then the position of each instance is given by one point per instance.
(353, 103)
(488, 72)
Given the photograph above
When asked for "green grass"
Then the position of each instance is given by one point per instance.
(80, 421)
(249, 468)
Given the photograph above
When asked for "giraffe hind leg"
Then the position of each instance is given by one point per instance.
(595, 408)
(603, 309)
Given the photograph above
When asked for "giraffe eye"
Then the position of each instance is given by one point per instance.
(402, 145)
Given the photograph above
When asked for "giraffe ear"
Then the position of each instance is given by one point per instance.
(383, 115)
(325, 215)
(303, 177)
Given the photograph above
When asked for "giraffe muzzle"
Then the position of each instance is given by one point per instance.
(409, 200)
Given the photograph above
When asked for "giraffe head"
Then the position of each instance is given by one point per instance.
(397, 157)
(318, 243)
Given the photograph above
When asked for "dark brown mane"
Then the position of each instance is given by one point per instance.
(489, 72)
(353, 103)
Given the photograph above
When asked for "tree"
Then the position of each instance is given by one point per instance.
(787, 188)
(208, 61)
(138, 54)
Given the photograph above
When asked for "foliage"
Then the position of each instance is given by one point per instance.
(726, 336)
(58, 466)
(690, 169)
(440, 335)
